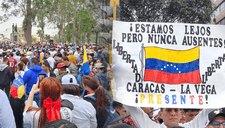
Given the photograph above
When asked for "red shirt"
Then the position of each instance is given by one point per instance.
(12, 63)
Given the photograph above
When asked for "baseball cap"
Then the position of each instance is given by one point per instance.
(69, 80)
(215, 113)
(113, 116)
(70, 52)
(61, 65)
(98, 65)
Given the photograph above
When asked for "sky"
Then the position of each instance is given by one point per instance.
(6, 27)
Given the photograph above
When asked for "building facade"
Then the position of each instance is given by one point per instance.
(219, 13)
(17, 34)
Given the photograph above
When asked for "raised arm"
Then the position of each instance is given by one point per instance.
(140, 118)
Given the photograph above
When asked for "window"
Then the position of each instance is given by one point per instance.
(217, 12)
(222, 6)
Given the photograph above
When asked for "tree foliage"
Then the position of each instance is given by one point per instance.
(185, 11)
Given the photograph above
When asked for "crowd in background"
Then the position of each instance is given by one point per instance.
(76, 92)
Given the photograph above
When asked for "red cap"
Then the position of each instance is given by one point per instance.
(61, 65)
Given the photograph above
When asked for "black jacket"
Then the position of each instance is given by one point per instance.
(101, 115)
(6, 75)
(52, 74)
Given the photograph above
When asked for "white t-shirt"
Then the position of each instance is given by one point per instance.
(51, 53)
(31, 121)
(51, 62)
(84, 114)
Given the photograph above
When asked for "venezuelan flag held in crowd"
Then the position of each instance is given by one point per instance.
(172, 66)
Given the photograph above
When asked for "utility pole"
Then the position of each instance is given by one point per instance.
(113, 3)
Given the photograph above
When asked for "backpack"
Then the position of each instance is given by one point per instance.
(17, 89)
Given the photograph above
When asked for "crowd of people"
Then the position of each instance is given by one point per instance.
(74, 92)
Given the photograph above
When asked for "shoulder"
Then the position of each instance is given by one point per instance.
(31, 118)
(91, 100)
(66, 113)
(3, 96)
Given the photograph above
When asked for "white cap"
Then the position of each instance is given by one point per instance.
(70, 52)
(69, 80)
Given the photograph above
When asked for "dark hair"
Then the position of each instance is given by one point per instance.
(48, 52)
(65, 53)
(17, 53)
(117, 104)
(161, 109)
(93, 83)
(177, 127)
(23, 55)
(59, 124)
(24, 60)
(20, 66)
(123, 125)
(95, 60)
(58, 54)
(71, 89)
(35, 60)
(65, 58)
(11, 54)
(46, 63)
(192, 110)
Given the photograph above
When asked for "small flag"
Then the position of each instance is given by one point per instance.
(85, 67)
(172, 66)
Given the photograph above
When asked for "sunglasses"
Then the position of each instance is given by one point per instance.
(217, 124)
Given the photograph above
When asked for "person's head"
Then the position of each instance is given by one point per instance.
(45, 66)
(60, 124)
(89, 58)
(17, 53)
(34, 61)
(119, 108)
(21, 66)
(70, 86)
(5, 60)
(170, 116)
(61, 68)
(92, 84)
(31, 53)
(64, 54)
(122, 125)
(81, 55)
(216, 119)
(78, 50)
(217, 122)
(97, 61)
(48, 54)
(100, 67)
(24, 60)
(10, 54)
(148, 111)
(65, 60)
(47, 86)
(71, 52)
(190, 114)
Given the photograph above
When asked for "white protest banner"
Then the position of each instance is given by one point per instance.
(169, 64)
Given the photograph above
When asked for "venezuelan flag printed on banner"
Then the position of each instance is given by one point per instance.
(171, 66)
